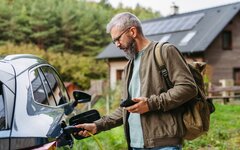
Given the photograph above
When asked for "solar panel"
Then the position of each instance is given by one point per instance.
(147, 28)
(172, 24)
(160, 26)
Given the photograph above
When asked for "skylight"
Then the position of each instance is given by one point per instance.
(165, 38)
(187, 38)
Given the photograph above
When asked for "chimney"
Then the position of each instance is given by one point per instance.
(174, 9)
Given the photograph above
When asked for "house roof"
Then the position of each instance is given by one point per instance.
(190, 32)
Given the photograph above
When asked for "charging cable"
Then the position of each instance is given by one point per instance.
(96, 140)
(73, 129)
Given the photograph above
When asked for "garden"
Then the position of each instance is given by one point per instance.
(224, 133)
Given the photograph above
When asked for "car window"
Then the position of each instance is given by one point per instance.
(2, 109)
(48, 89)
(55, 84)
(39, 93)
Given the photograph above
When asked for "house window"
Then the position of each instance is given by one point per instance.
(227, 40)
(236, 76)
(119, 75)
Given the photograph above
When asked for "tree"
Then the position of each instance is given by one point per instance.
(5, 21)
(43, 23)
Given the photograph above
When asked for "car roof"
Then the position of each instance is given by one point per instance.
(15, 64)
(19, 63)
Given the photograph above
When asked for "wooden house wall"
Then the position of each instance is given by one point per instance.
(222, 62)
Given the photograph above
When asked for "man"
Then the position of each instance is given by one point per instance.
(155, 121)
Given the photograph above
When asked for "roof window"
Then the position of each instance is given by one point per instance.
(165, 38)
(187, 38)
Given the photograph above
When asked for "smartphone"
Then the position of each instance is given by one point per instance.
(127, 103)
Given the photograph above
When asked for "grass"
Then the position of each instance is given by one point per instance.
(110, 140)
(224, 134)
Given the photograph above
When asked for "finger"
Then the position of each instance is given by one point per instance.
(135, 110)
(132, 109)
(136, 99)
(85, 133)
(80, 126)
(80, 133)
(129, 108)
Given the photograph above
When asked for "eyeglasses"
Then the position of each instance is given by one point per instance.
(118, 38)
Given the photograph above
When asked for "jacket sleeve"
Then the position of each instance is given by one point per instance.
(184, 86)
(108, 122)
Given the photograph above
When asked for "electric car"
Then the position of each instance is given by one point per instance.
(34, 104)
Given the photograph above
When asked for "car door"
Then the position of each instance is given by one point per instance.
(4, 131)
(7, 88)
(50, 93)
(40, 109)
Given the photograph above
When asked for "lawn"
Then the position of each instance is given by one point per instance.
(224, 130)
(224, 134)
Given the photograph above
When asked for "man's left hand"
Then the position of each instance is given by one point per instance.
(140, 107)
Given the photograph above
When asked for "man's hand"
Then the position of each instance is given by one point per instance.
(88, 127)
(140, 107)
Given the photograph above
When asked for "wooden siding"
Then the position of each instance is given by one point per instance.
(222, 62)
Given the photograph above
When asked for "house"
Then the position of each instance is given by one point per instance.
(211, 35)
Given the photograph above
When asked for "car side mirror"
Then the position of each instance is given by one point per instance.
(80, 97)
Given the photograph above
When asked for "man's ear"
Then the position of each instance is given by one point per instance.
(133, 32)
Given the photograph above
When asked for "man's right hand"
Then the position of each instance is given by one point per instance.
(88, 127)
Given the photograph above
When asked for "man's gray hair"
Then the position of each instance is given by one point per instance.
(123, 21)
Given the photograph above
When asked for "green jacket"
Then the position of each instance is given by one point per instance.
(162, 125)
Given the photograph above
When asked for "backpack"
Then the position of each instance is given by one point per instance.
(196, 112)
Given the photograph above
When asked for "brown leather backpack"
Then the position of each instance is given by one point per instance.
(196, 115)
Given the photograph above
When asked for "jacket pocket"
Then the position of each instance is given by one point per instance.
(159, 124)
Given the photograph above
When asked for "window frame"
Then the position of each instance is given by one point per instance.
(41, 75)
(44, 88)
(60, 85)
(187, 38)
(44, 78)
(119, 74)
(236, 72)
(227, 40)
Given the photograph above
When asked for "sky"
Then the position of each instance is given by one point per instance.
(163, 6)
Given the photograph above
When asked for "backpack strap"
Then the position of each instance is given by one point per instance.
(162, 67)
(163, 70)
(158, 54)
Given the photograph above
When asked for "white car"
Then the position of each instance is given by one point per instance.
(34, 104)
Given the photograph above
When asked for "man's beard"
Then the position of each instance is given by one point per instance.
(130, 53)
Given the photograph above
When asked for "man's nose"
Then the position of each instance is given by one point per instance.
(117, 43)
